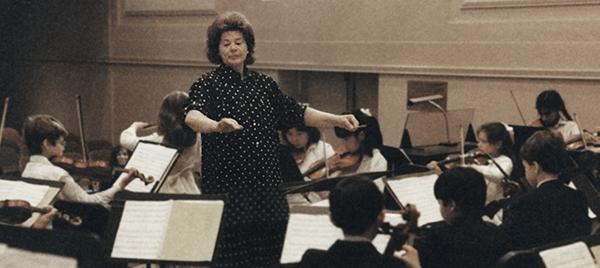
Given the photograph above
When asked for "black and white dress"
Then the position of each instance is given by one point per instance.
(245, 164)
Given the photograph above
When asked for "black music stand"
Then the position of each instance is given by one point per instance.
(85, 247)
(530, 258)
(95, 217)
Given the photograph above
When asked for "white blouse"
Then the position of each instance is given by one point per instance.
(181, 179)
(493, 176)
(39, 167)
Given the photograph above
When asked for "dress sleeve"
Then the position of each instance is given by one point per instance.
(129, 138)
(200, 96)
(491, 171)
(289, 112)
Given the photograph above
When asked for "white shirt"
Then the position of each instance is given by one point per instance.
(314, 153)
(566, 128)
(373, 164)
(181, 178)
(493, 176)
(39, 167)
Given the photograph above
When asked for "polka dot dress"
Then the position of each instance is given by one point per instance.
(245, 164)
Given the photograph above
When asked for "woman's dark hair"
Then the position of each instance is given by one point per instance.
(547, 149)
(113, 155)
(37, 128)
(355, 204)
(496, 132)
(373, 138)
(314, 135)
(229, 21)
(552, 101)
(171, 122)
(465, 186)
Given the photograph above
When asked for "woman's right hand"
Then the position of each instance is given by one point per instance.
(410, 256)
(226, 125)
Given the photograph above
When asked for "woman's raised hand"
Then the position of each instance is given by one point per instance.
(347, 121)
(226, 125)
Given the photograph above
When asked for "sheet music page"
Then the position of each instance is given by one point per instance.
(32, 193)
(574, 255)
(142, 230)
(306, 231)
(152, 160)
(6, 186)
(193, 230)
(418, 191)
(19, 258)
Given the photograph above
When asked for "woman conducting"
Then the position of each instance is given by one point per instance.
(238, 112)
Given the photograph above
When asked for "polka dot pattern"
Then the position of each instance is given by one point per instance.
(244, 164)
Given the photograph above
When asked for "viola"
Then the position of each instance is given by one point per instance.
(402, 233)
(95, 169)
(18, 211)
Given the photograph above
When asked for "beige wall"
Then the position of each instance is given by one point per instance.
(128, 59)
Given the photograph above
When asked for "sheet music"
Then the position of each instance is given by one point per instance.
(574, 255)
(142, 229)
(152, 160)
(19, 258)
(32, 193)
(418, 191)
(306, 231)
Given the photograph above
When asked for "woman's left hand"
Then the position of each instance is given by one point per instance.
(347, 121)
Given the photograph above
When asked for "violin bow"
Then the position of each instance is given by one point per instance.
(4, 112)
(581, 133)
(518, 108)
(80, 121)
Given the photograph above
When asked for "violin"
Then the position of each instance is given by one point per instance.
(18, 211)
(403, 233)
(97, 169)
(345, 161)
(474, 157)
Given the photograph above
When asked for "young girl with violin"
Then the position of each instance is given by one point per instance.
(308, 150)
(307, 146)
(493, 141)
(359, 152)
(172, 131)
(553, 114)
(45, 139)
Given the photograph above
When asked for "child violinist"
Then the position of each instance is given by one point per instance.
(359, 151)
(45, 139)
(553, 114)
(183, 177)
(306, 146)
(493, 140)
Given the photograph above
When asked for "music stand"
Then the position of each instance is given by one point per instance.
(118, 206)
(425, 140)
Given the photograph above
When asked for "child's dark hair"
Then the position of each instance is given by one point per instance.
(171, 122)
(552, 101)
(373, 138)
(314, 135)
(38, 128)
(466, 187)
(496, 132)
(546, 148)
(354, 204)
